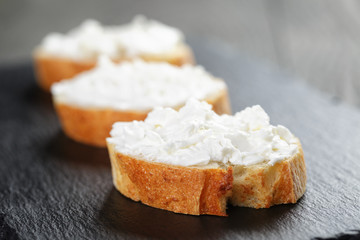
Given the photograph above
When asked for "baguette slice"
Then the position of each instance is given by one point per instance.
(91, 124)
(50, 69)
(54, 63)
(187, 190)
(206, 188)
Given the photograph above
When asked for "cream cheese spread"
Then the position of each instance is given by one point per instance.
(195, 135)
(137, 86)
(91, 39)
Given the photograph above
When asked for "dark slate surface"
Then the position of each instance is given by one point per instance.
(54, 188)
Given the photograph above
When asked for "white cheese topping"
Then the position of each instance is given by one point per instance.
(137, 85)
(91, 39)
(195, 135)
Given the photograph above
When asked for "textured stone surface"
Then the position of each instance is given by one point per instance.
(54, 188)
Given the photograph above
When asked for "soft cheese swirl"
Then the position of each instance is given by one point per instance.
(137, 85)
(91, 39)
(195, 135)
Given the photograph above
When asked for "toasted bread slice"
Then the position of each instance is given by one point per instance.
(197, 191)
(92, 125)
(50, 69)
(203, 188)
(62, 56)
(88, 122)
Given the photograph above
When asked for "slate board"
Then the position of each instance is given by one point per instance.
(54, 188)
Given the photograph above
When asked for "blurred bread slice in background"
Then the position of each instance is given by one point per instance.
(62, 56)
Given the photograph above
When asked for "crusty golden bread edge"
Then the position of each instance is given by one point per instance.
(256, 186)
(92, 125)
(50, 69)
(265, 185)
(187, 190)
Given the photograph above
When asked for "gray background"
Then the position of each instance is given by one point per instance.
(318, 41)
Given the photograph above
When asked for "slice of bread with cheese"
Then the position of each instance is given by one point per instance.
(194, 161)
(91, 102)
(62, 56)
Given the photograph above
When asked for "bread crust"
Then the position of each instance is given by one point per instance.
(262, 186)
(196, 191)
(186, 190)
(92, 125)
(50, 69)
